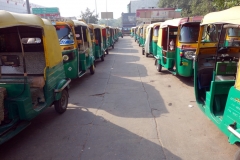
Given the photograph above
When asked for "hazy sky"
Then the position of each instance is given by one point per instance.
(74, 7)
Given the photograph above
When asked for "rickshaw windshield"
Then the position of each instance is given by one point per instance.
(189, 33)
(211, 33)
(65, 35)
(233, 32)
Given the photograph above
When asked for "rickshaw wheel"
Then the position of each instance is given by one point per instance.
(113, 46)
(139, 44)
(92, 69)
(237, 155)
(159, 67)
(142, 51)
(61, 104)
(107, 51)
(146, 54)
(102, 58)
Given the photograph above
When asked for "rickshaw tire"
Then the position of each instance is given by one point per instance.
(92, 69)
(237, 155)
(102, 58)
(107, 51)
(59, 108)
(139, 44)
(146, 54)
(159, 67)
(113, 46)
(142, 51)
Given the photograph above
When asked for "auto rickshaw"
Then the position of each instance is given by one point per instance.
(233, 37)
(132, 31)
(85, 48)
(97, 39)
(176, 46)
(143, 35)
(138, 33)
(217, 73)
(135, 34)
(150, 45)
(105, 39)
(75, 61)
(32, 74)
(115, 34)
(120, 34)
(110, 37)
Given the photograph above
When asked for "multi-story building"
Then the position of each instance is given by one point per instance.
(141, 4)
(18, 6)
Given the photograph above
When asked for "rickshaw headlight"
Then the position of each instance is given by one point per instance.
(65, 57)
(189, 54)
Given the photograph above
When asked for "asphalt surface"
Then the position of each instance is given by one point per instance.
(125, 111)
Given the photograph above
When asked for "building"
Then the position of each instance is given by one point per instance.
(18, 6)
(128, 21)
(134, 5)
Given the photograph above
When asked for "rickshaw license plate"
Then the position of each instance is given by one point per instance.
(185, 63)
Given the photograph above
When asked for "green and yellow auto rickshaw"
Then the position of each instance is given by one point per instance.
(105, 38)
(111, 37)
(233, 37)
(217, 73)
(150, 45)
(136, 33)
(176, 46)
(143, 35)
(75, 59)
(32, 74)
(132, 31)
(97, 39)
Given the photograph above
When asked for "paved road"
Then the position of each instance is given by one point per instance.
(125, 111)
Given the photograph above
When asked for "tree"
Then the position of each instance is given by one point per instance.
(225, 4)
(89, 17)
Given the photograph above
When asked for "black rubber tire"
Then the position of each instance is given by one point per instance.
(146, 54)
(107, 51)
(102, 58)
(113, 46)
(92, 69)
(142, 51)
(135, 40)
(61, 104)
(139, 44)
(159, 67)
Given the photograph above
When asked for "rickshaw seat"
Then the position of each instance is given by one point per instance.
(205, 77)
(37, 82)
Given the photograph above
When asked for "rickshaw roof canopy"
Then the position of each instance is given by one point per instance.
(154, 24)
(226, 16)
(171, 22)
(79, 23)
(95, 26)
(9, 19)
(52, 51)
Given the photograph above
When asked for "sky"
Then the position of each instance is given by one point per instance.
(70, 8)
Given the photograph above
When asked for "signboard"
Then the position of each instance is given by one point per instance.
(53, 10)
(47, 12)
(106, 15)
(159, 14)
(128, 19)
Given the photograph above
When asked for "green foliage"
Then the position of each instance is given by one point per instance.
(112, 22)
(198, 7)
(89, 16)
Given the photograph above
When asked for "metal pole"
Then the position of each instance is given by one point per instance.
(96, 6)
(28, 7)
(106, 12)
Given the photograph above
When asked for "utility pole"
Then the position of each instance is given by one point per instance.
(106, 12)
(96, 6)
(28, 7)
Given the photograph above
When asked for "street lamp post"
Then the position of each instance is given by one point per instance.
(28, 7)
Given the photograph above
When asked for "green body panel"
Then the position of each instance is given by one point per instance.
(71, 66)
(153, 49)
(110, 41)
(19, 104)
(80, 63)
(172, 59)
(222, 101)
(105, 44)
(186, 69)
(97, 50)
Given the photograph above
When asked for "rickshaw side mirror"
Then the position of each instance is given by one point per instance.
(10, 60)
